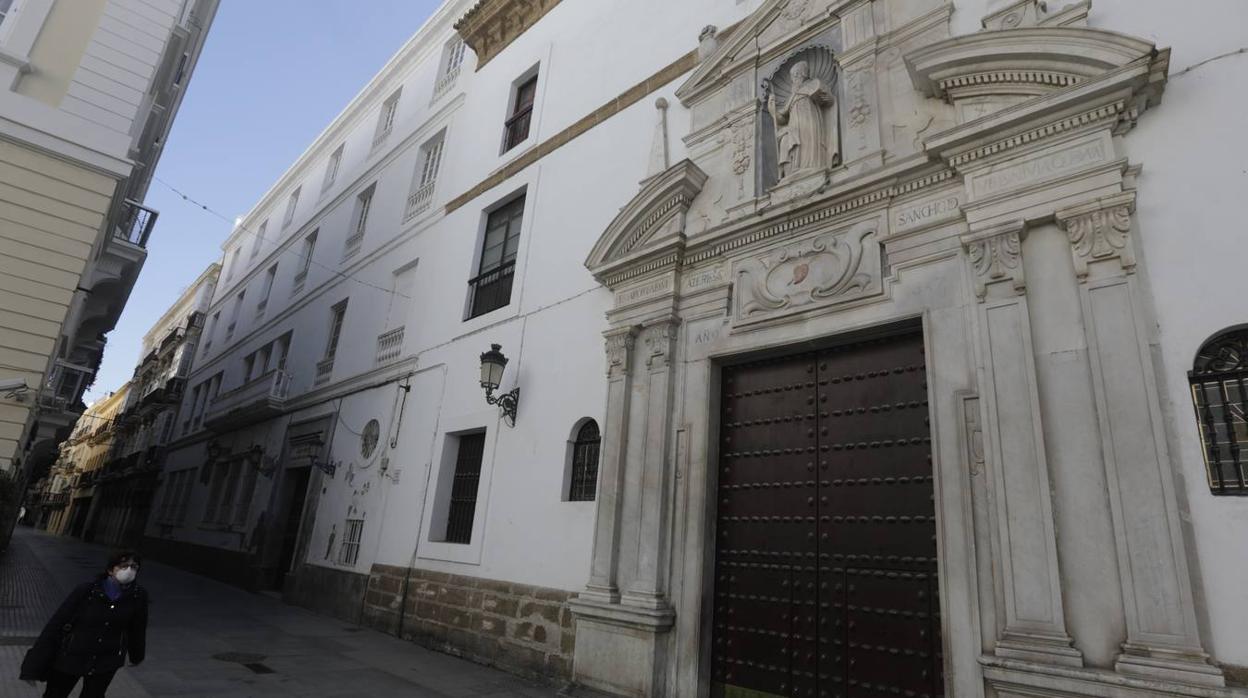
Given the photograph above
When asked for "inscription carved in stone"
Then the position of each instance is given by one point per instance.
(823, 270)
(1062, 162)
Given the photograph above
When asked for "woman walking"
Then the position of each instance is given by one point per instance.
(89, 637)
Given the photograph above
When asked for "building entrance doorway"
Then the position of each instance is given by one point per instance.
(825, 558)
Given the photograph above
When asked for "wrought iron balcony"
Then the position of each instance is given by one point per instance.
(256, 400)
(445, 83)
(492, 289)
(419, 201)
(135, 223)
(324, 369)
(390, 345)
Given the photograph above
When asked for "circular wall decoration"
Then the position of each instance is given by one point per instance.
(368, 440)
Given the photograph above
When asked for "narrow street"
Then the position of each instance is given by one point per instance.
(209, 639)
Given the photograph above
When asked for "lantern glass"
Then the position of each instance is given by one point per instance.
(492, 365)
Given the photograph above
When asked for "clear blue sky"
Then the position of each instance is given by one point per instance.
(272, 76)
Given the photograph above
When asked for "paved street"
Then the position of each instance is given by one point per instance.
(197, 624)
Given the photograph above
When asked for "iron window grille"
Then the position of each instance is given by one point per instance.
(349, 550)
(585, 463)
(521, 114)
(491, 288)
(463, 507)
(1219, 382)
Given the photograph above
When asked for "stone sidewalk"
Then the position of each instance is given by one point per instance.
(209, 639)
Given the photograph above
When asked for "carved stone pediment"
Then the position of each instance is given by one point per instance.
(1027, 61)
(651, 225)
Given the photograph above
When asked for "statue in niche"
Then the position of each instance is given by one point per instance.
(804, 113)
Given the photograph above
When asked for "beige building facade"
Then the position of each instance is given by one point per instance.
(90, 88)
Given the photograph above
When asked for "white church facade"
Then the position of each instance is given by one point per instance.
(848, 348)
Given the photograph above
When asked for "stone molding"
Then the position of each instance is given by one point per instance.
(1100, 231)
(996, 256)
(660, 338)
(1068, 54)
(491, 25)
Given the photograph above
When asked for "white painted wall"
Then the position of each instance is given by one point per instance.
(1191, 149)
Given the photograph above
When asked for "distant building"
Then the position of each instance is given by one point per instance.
(90, 89)
(862, 348)
(149, 419)
(68, 495)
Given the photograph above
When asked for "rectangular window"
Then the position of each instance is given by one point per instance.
(281, 349)
(491, 288)
(225, 512)
(267, 289)
(463, 507)
(212, 330)
(521, 113)
(242, 507)
(363, 203)
(255, 249)
(452, 59)
(426, 176)
(291, 204)
(233, 263)
(337, 315)
(349, 551)
(385, 121)
(305, 261)
(238, 307)
(331, 170)
(6, 8)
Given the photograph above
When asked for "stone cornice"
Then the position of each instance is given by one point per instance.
(491, 25)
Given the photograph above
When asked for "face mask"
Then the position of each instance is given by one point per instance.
(126, 575)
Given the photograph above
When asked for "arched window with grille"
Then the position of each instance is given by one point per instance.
(1219, 382)
(584, 477)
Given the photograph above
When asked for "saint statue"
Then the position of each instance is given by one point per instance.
(806, 134)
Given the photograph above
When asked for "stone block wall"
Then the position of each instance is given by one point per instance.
(331, 592)
(524, 629)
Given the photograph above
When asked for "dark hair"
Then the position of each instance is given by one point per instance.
(120, 556)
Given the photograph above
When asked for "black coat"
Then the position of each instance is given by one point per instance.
(91, 634)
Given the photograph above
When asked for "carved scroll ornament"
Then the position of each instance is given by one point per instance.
(825, 269)
(995, 258)
(1100, 234)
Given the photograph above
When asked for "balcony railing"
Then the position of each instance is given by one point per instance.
(492, 290)
(260, 307)
(390, 345)
(260, 398)
(445, 83)
(324, 369)
(299, 279)
(419, 201)
(136, 223)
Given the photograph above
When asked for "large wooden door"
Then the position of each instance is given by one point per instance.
(825, 560)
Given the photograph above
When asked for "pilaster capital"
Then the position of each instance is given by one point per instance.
(1100, 231)
(620, 342)
(995, 255)
(660, 338)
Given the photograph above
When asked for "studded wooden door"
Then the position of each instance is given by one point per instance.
(825, 560)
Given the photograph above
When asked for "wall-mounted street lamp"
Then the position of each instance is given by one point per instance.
(492, 365)
(309, 446)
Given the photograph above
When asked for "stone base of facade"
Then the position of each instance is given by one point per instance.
(229, 566)
(1017, 679)
(330, 592)
(620, 648)
(523, 629)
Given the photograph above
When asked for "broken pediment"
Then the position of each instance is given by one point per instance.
(652, 224)
(1021, 62)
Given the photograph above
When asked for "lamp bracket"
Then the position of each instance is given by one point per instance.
(507, 403)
